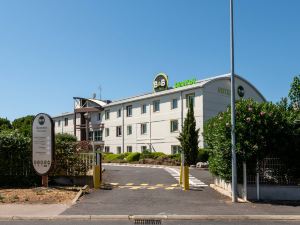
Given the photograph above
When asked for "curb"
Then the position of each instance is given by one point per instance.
(80, 193)
(226, 193)
(153, 217)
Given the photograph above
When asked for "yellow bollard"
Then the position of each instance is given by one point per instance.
(186, 180)
(96, 176)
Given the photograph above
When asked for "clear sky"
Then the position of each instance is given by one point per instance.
(53, 50)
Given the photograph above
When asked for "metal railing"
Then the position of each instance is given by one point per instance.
(88, 159)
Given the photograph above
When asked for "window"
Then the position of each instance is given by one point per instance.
(129, 148)
(119, 131)
(98, 135)
(174, 125)
(143, 149)
(174, 104)
(119, 149)
(175, 149)
(119, 113)
(58, 123)
(129, 110)
(129, 130)
(106, 149)
(144, 109)
(107, 114)
(190, 99)
(106, 132)
(156, 106)
(66, 121)
(143, 128)
(99, 116)
(91, 133)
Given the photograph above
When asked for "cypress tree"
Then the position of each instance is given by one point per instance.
(189, 138)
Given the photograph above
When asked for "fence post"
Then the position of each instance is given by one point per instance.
(245, 181)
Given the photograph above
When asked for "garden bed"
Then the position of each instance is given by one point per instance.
(39, 195)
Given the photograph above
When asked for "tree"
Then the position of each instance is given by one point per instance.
(5, 124)
(294, 93)
(189, 138)
(23, 125)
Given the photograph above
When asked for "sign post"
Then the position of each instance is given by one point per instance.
(42, 145)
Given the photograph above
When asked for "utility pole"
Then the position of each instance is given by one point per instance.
(100, 92)
(233, 141)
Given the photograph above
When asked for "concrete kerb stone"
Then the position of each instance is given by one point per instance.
(153, 217)
(226, 193)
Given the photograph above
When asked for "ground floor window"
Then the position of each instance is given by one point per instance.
(91, 133)
(119, 149)
(106, 149)
(143, 148)
(175, 149)
(129, 148)
(174, 125)
(143, 128)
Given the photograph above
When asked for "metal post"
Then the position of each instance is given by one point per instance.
(257, 183)
(245, 181)
(233, 154)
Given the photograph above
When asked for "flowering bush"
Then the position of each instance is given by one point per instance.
(262, 129)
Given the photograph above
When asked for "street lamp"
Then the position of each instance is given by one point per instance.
(233, 141)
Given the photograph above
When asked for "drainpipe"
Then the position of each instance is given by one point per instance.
(123, 129)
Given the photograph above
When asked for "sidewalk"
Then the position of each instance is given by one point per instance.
(34, 210)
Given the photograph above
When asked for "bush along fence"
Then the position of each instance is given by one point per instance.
(16, 159)
(267, 138)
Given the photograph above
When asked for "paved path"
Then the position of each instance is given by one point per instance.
(154, 191)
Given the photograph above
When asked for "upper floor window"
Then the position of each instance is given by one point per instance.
(129, 130)
(66, 121)
(58, 123)
(119, 131)
(156, 106)
(98, 135)
(143, 128)
(107, 114)
(106, 132)
(129, 110)
(119, 113)
(190, 99)
(174, 125)
(99, 116)
(174, 104)
(144, 109)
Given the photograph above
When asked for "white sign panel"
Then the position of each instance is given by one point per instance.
(42, 143)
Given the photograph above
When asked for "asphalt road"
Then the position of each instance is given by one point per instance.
(152, 191)
(162, 223)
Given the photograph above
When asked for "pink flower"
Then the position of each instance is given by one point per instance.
(262, 113)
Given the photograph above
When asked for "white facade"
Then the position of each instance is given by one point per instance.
(151, 129)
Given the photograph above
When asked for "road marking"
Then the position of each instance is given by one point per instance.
(129, 184)
(114, 184)
(134, 188)
(175, 185)
(159, 185)
(194, 182)
(169, 188)
(152, 188)
(144, 184)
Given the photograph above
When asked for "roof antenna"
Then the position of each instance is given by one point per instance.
(100, 92)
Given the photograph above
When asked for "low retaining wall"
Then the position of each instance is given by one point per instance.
(73, 180)
(266, 192)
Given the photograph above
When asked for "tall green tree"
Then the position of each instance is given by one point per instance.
(5, 124)
(189, 138)
(23, 125)
(294, 93)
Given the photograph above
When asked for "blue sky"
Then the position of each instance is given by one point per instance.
(52, 50)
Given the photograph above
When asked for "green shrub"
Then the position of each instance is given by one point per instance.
(133, 157)
(151, 155)
(262, 130)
